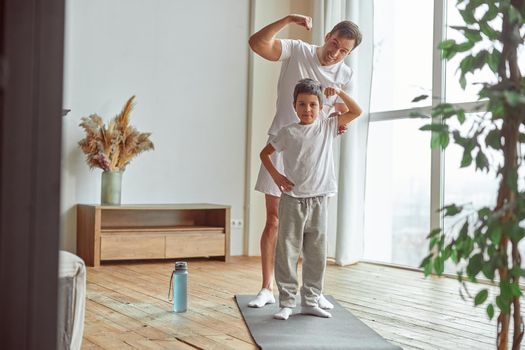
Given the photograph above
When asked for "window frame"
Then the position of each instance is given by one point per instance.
(437, 171)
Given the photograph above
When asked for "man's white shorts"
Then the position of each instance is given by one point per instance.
(265, 183)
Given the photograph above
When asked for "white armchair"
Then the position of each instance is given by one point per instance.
(72, 300)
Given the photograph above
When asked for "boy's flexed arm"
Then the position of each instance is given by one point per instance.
(264, 42)
(353, 111)
(282, 181)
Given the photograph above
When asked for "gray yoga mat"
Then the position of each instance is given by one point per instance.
(342, 331)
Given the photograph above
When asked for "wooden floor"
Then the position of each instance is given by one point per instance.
(127, 306)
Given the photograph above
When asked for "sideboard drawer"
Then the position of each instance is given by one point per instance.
(132, 247)
(195, 244)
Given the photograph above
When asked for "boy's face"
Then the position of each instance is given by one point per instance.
(307, 108)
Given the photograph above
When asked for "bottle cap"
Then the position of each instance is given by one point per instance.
(181, 265)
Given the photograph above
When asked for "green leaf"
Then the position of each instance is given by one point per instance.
(464, 46)
(488, 270)
(481, 297)
(505, 291)
(515, 232)
(467, 158)
(482, 162)
(495, 233)
(459, 28)
(468, 16)
(426, 260)
(433, 242)
(488, 31)
(427, 264)
(503, 306)
(452, 210)
(439, 138)
(515, 290)
(454, 256)
(444, 140)
(472, 35)
(447, 44)
(461, 116)
(484, 212)
(514, 15)
(493, 60)
(498, 110)
(480, 59)
(435, 127)
(435, 140)
(433, 233)
(420, 98)
(514, 98)
(439, 265)
(449, 53)
(491, 13)
(460, 140)
(493, 139)
(490, 311)
(463, 81)
(466, 64)
(516, 271)
(475, 265)
(447, 252)
(443, 109)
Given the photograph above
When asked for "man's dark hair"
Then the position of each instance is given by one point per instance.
(310, 87)
(348, 30)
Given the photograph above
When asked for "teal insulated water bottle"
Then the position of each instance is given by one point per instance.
(179, 282)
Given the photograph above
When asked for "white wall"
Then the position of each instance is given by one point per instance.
(187, 63)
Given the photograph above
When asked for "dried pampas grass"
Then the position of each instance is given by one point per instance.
(113, 147)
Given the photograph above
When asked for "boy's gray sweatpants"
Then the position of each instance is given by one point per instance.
(302, 224)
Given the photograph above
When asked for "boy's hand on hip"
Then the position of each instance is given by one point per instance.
(303, 21)
(283, 183)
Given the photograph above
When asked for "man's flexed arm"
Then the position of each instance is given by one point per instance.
(264, 42)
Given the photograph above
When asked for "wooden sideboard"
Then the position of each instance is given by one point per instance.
(162, 231)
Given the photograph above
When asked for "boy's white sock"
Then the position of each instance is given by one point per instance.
(283, 314)
(315, 311)
(324, 303)
(264, 297)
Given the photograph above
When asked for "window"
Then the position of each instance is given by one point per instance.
(454, 92)
(397, 199)
(397, 209)
(402, 54)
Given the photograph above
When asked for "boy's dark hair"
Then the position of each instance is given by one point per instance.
(310, 87)
(348, 30)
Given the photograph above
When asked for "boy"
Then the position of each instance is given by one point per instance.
(308, 180)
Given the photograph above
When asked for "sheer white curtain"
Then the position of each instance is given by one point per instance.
(352, 155)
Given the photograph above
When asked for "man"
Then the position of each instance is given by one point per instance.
(299, 60)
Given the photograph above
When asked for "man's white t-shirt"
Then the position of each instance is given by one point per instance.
(299, 61)
(308, 157)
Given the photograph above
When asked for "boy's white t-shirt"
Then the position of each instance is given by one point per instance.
(299, 61)
(308, 157)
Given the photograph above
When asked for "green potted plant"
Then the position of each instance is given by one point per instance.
(487, 243)
(111, 148)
